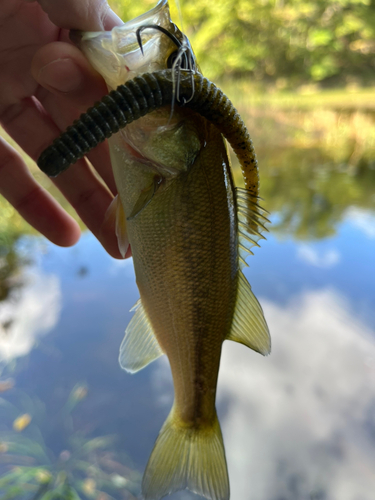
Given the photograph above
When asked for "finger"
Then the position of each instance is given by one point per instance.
(86, 15)
(86, 194)
(73, 86)
(33, 130)
(62, 69)
(34, 204)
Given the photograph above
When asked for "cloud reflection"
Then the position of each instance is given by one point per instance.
(362, 219)
(300, 424)
(310, 255)
(31, 313)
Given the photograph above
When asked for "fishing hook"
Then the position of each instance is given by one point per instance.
(159, 28)
(184, 60)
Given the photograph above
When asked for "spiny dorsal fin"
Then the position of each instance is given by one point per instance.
(249, 326)
(251, 222)
(139, 347)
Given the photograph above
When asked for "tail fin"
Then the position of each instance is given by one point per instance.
(185, 457)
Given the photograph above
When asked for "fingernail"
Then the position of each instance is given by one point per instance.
(62, 74)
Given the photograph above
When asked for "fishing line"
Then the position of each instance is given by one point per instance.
(179, 10)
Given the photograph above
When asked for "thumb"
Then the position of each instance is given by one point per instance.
(85, 15)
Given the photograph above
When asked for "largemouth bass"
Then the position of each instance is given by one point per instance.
(190, 231)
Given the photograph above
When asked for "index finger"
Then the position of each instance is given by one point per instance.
(33, 203)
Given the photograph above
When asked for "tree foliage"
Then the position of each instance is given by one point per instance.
(282, 41)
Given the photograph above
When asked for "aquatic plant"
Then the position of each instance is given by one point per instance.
(85, 468)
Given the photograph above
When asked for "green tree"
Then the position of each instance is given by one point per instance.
(296, 40)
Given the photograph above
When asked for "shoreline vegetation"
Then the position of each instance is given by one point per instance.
(330, 43)
(304, 97)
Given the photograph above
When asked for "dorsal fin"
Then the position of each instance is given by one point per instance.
(249, 326)
(139, 347)
(251, 222)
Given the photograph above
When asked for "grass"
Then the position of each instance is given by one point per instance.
(80, 467)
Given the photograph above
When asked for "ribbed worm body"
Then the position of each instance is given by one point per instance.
(141, 96)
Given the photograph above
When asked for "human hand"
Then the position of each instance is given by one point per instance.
(45, 83)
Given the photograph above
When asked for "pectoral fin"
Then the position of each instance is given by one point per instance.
(249, 326)
(145, 197)
(116, 213)
(139, 347)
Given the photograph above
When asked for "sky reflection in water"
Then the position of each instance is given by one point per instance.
(299, 424)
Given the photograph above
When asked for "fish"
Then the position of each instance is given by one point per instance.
(190, 231)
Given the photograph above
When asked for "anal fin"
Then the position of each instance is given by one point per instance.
(249, 326)
(139, 347)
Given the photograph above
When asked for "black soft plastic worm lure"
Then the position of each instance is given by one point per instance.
(141, 96)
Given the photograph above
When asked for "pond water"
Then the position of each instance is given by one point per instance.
(298, 424)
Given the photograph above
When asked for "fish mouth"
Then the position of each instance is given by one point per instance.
(117, 55)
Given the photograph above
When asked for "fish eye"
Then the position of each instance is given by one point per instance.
(183, 63)
(171, 59)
